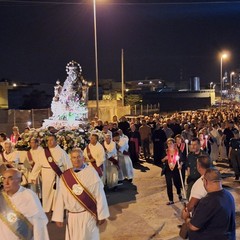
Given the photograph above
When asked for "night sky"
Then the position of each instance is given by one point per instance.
(161, 39)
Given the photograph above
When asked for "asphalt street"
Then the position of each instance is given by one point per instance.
(138, 210)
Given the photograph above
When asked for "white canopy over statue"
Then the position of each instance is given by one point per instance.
(69, 104)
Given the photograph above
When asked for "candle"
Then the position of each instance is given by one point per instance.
(206, 139)
(186, 141)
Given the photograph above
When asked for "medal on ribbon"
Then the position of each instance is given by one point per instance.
(77, 189)
(11, 217)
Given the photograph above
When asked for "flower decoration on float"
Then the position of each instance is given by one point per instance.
(66, 139)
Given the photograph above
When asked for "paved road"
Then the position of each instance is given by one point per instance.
(139, 212)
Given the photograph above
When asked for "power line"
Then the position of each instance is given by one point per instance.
(22, 2)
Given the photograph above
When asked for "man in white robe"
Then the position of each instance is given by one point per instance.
(32, 156)
(13, 159)
(10, 156)
(123, 157)
(3, 139)
(111, 162)
(97, 153)
(106, 131)
(35, 152)
(49, 177)
(81, 224)
(27, 203)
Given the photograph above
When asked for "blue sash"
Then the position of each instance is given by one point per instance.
(13, 219)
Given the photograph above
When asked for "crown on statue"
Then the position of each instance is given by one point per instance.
(73, 65)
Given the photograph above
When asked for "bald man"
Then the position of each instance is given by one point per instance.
(21, 213)
(214, 217)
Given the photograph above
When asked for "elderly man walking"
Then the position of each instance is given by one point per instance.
(21, 213)
(53, 162)
(214, 217)
(81, 193)
(145, 134)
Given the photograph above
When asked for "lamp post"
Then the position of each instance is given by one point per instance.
(231, 79)
(231, 84)
(223, 56)
(122, 73)
(96, 55)
(210, 85)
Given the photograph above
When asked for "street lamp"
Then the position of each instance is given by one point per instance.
(96, 55)
(231, 84)
(231, 79)
(223, 56)
(211, 84)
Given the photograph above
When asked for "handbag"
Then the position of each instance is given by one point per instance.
(184, 231)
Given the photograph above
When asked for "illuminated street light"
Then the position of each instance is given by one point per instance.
(223, 56)
(231, 84)
(231, 79)
(211, 84)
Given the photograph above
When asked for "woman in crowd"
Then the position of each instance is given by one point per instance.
(172, 166)
(15, 136)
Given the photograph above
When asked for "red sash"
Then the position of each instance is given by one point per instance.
(114, 161)
(29, 155)
(8, 165)
(111, 159)
(3, 158)
(135, 140)
(126, 153)
(51, 162)
(93, 162)
(79, 192)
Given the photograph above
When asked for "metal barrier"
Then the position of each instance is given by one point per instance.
(146, 110)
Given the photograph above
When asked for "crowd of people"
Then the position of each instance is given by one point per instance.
(184, 144)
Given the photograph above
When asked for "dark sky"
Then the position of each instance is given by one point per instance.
(38, 39)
